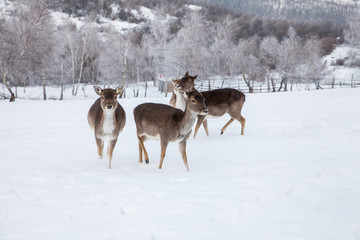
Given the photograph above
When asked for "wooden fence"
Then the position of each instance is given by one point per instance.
(292, 84)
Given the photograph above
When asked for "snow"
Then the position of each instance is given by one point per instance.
(342, 73)
(147, 13)
(293, 175)
(61, 18)
(194, 7)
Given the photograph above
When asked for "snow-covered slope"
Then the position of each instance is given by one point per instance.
(293, 175)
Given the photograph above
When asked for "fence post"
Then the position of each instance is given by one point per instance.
(352, 80)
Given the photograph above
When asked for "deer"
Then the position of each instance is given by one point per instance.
(178, 98)
(107, 118)
(218, 102)
(168, 124)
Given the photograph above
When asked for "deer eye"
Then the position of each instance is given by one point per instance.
(193, 100)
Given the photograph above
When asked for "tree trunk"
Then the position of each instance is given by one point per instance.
(62, 92)
(273, 84)
(283, 82)
(72, 64)
(44, 79)
(62, 80)
(44, 91)
(83, 59)
(12, 95)
(251, 89)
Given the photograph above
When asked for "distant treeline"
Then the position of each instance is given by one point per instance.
(37, 50)
(304, 10)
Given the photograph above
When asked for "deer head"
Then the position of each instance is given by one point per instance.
(187, 82)
(108, 97)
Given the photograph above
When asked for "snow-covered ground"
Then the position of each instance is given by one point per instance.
(293, 175)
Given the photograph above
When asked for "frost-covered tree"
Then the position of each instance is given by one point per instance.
(190, 42)
(290, 56)
(269, 57)
(20, 27)
(352, 35)
(314, 67)
(252, 70)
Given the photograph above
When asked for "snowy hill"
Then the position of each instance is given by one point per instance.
(293, 175)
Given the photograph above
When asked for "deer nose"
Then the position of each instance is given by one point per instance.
(177, 85)
(206, 110)
(109, 106)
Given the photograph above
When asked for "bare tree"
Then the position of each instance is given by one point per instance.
(290, 56)
(190, 41)
(313, 66)
(269, 57)
(251, 68)
(17, 32)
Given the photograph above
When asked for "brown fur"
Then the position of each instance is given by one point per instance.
(96, 117)
(168, 124)
(219, 102)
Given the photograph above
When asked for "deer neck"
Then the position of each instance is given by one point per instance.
(188, 121)
(180, 100)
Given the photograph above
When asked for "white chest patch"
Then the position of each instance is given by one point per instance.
(108, 126)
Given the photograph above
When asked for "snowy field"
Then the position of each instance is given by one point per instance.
(294, 175)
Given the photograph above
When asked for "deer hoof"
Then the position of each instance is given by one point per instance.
(221, 133)
(147, 161)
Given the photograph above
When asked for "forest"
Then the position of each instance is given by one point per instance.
(69, 43)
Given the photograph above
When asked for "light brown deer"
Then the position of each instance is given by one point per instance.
(178, 98)
(168, 124)
(107, 118)
(218, 102)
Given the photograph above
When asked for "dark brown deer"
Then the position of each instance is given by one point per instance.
(168, 124)
(218, 102)
(107, 118)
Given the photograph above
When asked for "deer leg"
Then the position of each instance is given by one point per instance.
(100, 146)
(163, 152)
(226, 125)
(200, 119)
(182, 148)
(110, 151)
(140, 153)
(206, 127)
(142, 146)
(242, 121)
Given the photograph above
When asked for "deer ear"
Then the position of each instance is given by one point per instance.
(196, 76)
(187, 74)
(97, 90)
(119, 90)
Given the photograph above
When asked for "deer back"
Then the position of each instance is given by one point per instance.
(221, 101)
